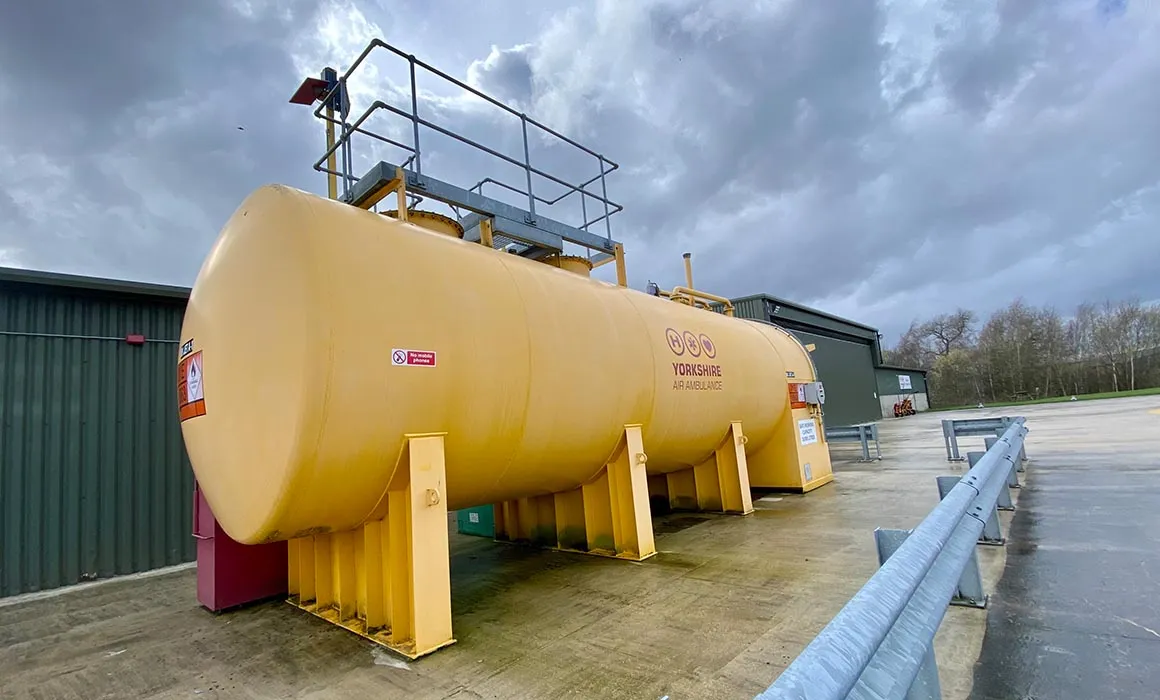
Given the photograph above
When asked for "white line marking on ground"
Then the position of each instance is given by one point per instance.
(1150, 631)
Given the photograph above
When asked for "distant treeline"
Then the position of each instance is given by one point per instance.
(1025, 352)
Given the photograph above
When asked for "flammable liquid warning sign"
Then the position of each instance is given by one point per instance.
(797, 395)
(190, 387)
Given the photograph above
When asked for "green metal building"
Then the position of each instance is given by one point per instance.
(898, 383)
(860, 388)
(94, 481)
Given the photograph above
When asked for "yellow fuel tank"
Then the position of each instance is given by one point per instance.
(318, 334)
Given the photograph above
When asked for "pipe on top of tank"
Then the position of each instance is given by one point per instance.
(695, 297)
(690, 295)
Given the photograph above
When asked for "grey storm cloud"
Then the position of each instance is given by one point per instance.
(505, 74)
(884, 161)
(123, 151)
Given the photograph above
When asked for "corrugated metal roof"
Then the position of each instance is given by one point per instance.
(96, 284)
(803, 308)
(900, 368)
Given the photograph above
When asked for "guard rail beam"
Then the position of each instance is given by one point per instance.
(953, 429)
(863, 433)
(880, 645)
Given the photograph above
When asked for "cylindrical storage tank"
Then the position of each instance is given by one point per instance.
(325, 333)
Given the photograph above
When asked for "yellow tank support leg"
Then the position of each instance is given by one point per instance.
(732, 472)
(531, 520)
(609, 515)
(720, 484)
(617, 519)
(389, 580)
(570, 530)
(682, 490)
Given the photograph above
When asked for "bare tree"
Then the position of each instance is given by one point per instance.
(950, 331)
(911, 349)
(1137, 325)
(1080, 344)
(1051, 348)
(1110, 339)
(1022, 350)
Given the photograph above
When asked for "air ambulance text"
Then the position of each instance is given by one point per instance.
(696, 369)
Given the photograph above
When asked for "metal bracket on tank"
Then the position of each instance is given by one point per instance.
(538, 234)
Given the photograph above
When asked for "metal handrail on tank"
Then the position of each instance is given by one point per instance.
(348, 129)
(478, 187)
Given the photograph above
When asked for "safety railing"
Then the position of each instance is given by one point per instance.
(863, 433)
(880, 645)
(337, 95)
(953, 429)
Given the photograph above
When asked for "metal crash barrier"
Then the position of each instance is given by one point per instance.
(863, 433)
(880, 645)
(953, 429)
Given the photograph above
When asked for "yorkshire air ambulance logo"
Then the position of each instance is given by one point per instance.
(695, 345)
(699, 374)
(707, 346)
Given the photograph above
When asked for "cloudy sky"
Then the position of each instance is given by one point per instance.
(883, 161)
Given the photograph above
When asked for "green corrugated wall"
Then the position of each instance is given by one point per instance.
(847, 370)
(750, 308)
(888, 381)
(94, 480)
(845, 366)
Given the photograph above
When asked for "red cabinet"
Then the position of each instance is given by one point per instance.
(230, 574)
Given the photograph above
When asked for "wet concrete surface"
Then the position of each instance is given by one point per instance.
(727, 603)
(1075, 612)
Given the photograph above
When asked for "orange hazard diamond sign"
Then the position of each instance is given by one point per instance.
(190, 387)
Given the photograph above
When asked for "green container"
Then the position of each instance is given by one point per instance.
(479, 521)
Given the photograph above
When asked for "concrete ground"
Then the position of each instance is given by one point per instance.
(723, 608)
(1075, 614)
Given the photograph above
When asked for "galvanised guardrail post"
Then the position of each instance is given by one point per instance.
(957, 427)
(880, 645)
(952, 445)
(863, 433)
